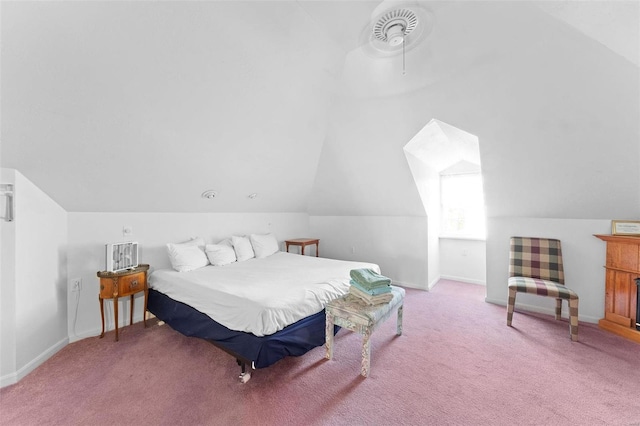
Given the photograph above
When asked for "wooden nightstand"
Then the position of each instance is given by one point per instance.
(114, 285)
(302, 242)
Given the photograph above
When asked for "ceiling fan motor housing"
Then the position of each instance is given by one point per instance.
(394, 26)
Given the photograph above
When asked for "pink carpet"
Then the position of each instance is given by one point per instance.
(457, 363)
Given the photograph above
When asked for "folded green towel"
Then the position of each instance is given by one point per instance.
(368, 278)
(374, 291)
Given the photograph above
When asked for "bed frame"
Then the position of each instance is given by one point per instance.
(248, 349)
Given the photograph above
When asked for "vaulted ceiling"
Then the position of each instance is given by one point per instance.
(142, 106)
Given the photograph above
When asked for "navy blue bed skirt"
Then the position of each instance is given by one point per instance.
(262, 351)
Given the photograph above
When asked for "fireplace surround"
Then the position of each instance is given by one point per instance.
(622, 288)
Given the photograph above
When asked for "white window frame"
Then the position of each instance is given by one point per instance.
(476, 233)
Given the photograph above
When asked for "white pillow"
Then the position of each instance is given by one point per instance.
(187, 256)
(220, 254)
(242, 247)
(264, 245)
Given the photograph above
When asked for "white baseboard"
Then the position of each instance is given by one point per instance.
(539, 310)
(85, 334)
(108, 326)
(433, 283)
(407, 285)
(463, 280)
(12, 378)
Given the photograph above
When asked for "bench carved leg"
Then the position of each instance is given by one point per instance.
(399, 322)
(366, 352)
(328, 332)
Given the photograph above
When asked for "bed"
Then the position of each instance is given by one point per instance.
(258, 310)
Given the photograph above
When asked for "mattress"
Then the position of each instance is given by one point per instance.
(260, 296)
(253, 351)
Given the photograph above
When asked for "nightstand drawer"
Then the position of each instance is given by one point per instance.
(131, 284)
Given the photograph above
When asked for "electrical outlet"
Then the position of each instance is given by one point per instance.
(76, 284)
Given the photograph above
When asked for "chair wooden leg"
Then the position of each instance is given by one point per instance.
(558, 309)
(510, 305)
(573, 319)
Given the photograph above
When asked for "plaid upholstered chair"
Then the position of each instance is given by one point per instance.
(535, 267)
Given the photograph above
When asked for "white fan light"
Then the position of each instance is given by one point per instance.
(395, 35)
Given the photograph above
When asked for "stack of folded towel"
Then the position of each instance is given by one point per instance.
(370, 286)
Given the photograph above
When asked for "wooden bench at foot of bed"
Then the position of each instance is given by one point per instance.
(353, 314)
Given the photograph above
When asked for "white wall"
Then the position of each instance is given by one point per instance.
(35, 281)
(434, 262)
(427, 182)
(7, 293)
(583, 257)
(397, 243)
(463, 260)
(89, 232)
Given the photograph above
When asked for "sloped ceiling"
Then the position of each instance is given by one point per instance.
(612, 23)
(548, 104)
(142, 106)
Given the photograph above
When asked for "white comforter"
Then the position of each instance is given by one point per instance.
(260, 296)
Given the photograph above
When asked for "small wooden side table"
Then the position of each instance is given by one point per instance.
(302, 242)
(114, 285)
